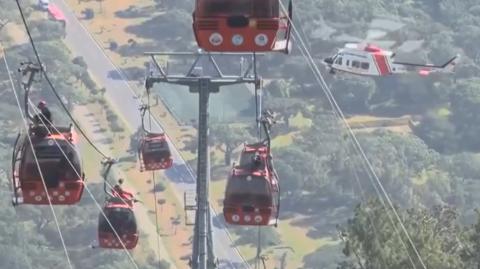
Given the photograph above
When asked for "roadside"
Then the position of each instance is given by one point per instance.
(86, 115)
(107, 27)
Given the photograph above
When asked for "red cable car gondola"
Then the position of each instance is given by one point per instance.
(63, 181)
(46, 166)
(242, 26)
(252, 192)
(121, 219)
(251, 196)
(117, 225)
(153, 151)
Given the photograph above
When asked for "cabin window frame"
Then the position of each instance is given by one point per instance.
(236, 187)
(104, 225)
(69, 160)
(339, 61)
(271, 9)
(250, 8)
(365, 65)
(155, 146)
(257, 186)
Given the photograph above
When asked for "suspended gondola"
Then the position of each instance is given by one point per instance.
(50, 153)
(117, 225)
(252, 192)
(153, 151)
(242, 26)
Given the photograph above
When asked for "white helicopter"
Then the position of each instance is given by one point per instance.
(361, 57)
(370, 60)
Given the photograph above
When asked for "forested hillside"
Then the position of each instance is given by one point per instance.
(430, 172)
(431, 175)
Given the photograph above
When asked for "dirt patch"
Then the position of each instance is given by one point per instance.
(366, 123)
(106, 26)
(16, 32)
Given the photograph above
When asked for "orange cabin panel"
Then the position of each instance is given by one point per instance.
(236, 25)
(260, 35)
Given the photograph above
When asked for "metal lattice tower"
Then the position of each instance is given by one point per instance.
(203, 256)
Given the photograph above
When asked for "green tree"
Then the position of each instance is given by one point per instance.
(296, 172)
(281, 88)
(465, 107)
(372, 241)
(230, 137)
(472, 249)
(285, 107)
(438, 133)
(79, 60)
(88, 81)
(354, 93)
(47, 30)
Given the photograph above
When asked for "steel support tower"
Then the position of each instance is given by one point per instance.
(198, 81)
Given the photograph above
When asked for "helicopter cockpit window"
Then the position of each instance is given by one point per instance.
(365, 66)
(339, 61)
(356, 64)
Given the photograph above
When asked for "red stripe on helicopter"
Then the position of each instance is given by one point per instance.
(387, 62)
(382, 65)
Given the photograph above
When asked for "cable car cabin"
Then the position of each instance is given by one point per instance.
(119, 212)
(240, 26)
(154, 153)
(61, 171)
(252, 193)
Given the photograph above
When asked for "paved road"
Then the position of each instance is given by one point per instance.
(122, 96)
